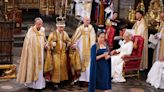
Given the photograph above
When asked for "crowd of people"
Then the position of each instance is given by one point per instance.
(87, 56)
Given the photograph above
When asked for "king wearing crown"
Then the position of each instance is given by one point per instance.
(56, 58)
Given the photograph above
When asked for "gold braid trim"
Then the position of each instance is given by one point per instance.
(38, 34)
(86, 48)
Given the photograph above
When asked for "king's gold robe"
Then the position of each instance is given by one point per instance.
(141, 29)
(57, 63)
(31, 62)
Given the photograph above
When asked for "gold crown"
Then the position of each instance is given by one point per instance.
(60, 21)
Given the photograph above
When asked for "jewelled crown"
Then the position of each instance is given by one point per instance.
(60, 21)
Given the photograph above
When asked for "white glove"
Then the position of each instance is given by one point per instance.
(53, 44)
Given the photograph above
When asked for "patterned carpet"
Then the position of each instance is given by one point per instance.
(132, 85)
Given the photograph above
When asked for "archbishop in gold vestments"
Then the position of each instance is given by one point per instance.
(83, 39)
(141, 29)
(30, 69)
(59, 58)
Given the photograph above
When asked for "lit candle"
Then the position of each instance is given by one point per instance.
(66, 3)
(6, 1)
(62, 3)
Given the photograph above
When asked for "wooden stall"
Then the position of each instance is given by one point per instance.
(7, 69)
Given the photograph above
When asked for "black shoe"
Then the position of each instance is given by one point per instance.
(38, 90)
(30, 89)
(56, 87)
(61, 87)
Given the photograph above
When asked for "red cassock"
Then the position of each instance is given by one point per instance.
(110, 30)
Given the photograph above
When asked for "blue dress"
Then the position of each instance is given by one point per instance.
(103, 72)
(100, 71)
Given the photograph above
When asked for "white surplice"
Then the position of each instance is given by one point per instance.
(156, 75)
(117, 61)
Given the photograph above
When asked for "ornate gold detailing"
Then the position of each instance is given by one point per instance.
(153, 15)
(141, 6)
(9, 71)
(131, 15)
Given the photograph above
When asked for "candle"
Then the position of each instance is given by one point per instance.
(66, 3)
(62, 3)
(6, 1)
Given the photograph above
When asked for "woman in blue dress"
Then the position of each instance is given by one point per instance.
(100, 69)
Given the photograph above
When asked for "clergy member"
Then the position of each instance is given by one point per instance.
(83, 39)
(141, 28)
(30, 70)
